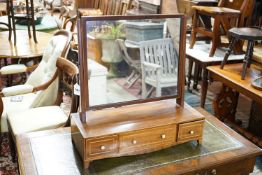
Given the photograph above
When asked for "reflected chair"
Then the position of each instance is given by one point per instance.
(159, 65)
(228, 13)
(135, 65)
(47, 117)
(41, 87)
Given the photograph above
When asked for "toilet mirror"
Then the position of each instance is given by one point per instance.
(130, 59)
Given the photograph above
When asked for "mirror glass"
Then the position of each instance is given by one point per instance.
(131, 60)
(257, 83)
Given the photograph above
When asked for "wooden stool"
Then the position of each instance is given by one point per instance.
(250, 34)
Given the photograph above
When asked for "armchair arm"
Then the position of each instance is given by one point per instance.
(17, 90)
(16, 69)
(13, 69)
(26, 88)
(151, 65)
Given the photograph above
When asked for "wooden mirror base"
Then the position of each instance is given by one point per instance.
(135, 129)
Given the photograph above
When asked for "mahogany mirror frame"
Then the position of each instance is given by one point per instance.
(84, 91)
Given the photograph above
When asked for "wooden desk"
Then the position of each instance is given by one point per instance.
(230, 76)
(25, 47)
(52, 152)
(200, 56)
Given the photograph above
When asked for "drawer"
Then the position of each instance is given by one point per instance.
(144, 138)
(229, 168)
(188, 131)
(101, 146)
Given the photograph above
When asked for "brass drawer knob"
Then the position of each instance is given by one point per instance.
(163, 136)
(134, 142)
(214, 172)
(191, 132)
(103, 147)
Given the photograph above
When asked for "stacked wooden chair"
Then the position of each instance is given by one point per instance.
(227, 12)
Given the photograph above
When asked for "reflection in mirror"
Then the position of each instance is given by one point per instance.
(257, 83)
(132, 59)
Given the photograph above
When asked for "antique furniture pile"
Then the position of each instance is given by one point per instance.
(119, 106)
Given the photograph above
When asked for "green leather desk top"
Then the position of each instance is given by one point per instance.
(50, 158)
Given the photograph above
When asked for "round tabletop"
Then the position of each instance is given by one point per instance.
(25, 47)
(48, 23)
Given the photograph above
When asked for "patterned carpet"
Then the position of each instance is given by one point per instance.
(7, 167)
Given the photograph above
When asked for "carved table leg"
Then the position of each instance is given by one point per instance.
(225, 104)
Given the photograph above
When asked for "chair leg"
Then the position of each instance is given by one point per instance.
(13, 25)
(230, 48)
(33, 21)
(196, 76)
(194, 26)
(248, 56)
(28, 23)
(216, 36)
(134, 80)
(158, 91)
(144, 91)
(130, 77)
(9, 28)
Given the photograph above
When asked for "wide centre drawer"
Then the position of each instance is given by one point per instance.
(188, 131)
(102, 146)
(149, 137)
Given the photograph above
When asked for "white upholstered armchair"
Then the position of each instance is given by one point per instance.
(159, 65)
(41, 87)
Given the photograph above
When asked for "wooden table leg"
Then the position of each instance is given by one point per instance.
(204, 87)
(189, 75)
(196, 75)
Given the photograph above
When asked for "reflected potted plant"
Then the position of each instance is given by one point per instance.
(108, 33)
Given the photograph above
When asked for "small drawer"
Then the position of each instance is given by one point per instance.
(144, 138)
(105, 145)
(189, 131)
